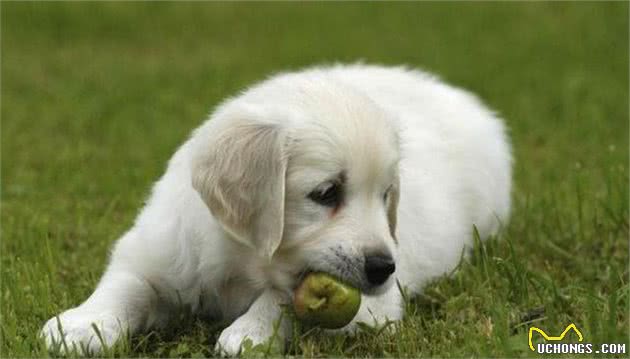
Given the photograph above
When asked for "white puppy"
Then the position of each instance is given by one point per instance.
(368, 173)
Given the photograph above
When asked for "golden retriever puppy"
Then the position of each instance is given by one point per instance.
(371, 174)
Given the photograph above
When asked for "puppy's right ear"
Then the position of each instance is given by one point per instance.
(239, 170)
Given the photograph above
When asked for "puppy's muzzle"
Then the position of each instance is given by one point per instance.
(378, 267)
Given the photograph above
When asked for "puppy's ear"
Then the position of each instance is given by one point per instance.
(392, 209)
(239, 171)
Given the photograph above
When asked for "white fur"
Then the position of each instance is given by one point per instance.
(228, 229)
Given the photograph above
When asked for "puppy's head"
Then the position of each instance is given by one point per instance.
(312, 190)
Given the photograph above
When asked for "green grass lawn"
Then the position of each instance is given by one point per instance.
(97, 96)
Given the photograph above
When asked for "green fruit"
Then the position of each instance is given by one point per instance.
(324, 301)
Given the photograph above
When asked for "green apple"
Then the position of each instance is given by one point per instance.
(324, 301)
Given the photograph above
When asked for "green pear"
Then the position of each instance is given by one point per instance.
(324, 301)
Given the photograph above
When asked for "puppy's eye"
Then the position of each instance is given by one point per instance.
(329, 194)
(387, 192)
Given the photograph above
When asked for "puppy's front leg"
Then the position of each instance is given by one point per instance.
(257, 324)
(377, 310)
(120, 303)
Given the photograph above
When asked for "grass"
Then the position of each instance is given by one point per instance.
(97, 96)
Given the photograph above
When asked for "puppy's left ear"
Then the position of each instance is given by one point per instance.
(392, 209)
(239, 170)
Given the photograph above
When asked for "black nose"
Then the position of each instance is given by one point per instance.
(378, 268)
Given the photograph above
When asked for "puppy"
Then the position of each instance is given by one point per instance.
(371, 174)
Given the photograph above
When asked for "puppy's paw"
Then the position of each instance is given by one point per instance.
(376, 314)
(74, 330)
(246, 333)
(384, 325)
